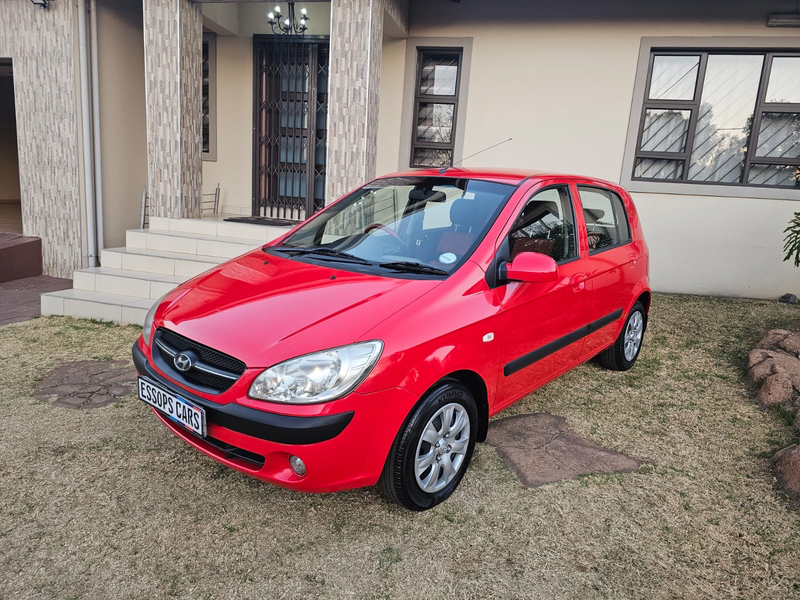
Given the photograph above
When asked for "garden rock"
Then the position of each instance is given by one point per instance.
(776, 389)
(786, 468)
(789, 298)
(774, 365)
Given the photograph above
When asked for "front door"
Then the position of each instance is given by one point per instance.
(290, 126)
(543, 322)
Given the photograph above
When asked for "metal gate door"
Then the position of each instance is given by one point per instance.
(290, 126)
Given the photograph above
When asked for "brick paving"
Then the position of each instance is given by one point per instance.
(19, 299)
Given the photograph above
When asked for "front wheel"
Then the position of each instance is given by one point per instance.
(433, 449)
(623, 354)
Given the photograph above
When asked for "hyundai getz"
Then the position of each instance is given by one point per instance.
(373, 342)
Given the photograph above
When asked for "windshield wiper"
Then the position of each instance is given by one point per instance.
(406, 266)
(338, 254)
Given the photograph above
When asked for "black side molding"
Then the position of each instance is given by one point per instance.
(283, 429)
(528, 359)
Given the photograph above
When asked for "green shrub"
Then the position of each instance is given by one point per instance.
(792, 240)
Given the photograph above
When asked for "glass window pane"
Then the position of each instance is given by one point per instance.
(206, 87)
(545, 226)
(665, 130)
(435, 122)
(725, 117)
(783, 175)
(599, 216)
(784, 79)
(432, 157)
(674, 77)
(779, 135)
(623, 226)
(439, 74)
(652, 168)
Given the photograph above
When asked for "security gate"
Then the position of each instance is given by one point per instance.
(290, 126)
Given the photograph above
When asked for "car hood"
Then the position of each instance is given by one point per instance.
(263, 309)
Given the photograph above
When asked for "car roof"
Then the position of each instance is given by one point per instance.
(511, 176)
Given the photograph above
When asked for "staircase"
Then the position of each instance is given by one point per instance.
(153, 262)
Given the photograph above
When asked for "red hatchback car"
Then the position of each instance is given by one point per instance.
(373, 342)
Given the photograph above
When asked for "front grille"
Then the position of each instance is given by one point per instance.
(225, 370)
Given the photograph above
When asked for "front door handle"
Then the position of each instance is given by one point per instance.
(578, 281)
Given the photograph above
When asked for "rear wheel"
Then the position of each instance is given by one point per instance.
(433, 449)
(623, 354)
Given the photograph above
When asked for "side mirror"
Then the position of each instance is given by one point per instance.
(531, 267)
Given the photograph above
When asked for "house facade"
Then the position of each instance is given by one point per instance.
(693, 106)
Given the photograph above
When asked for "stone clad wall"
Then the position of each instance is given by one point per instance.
(355, 79)
(173, 34)
(42, 46)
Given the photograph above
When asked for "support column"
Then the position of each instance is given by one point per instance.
(355, 78)
(173, 44)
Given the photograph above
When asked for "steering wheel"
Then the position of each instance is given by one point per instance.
(383, 227)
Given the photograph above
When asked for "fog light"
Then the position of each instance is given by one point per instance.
(297, 465)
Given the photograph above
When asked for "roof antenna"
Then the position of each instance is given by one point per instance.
(443, 170)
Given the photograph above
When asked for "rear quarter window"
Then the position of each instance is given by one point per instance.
(606, 219)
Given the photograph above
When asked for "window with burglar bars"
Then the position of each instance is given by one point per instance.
(291, 116)
(722, 117)
(436, 106)
(209, 96)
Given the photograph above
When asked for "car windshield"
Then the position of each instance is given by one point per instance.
(424, 225)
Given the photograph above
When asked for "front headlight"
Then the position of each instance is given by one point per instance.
(317, 377)
(148, 320)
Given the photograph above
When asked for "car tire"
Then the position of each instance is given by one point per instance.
(622, 355)
(405, 475)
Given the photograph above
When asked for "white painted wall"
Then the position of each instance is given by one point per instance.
(559, 78)
(391, 104)
(233, 167)
(122, 111)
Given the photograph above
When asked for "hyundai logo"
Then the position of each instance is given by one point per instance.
(183, 362)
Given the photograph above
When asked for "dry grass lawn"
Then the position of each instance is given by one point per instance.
(107, 503)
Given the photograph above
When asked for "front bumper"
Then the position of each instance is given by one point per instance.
(343, 450)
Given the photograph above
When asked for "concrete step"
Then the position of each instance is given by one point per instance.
(158, 262)
(154, 261)
(188, 243)
(97, 305)
(128, 283)
(213, 227)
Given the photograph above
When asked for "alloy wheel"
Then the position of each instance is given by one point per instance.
(442, 448)
(633, 335)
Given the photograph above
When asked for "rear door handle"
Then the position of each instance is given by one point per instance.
(632, 258)
(578, 281)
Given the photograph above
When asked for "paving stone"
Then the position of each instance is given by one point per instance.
(20, 299)
(541, 448)
(87, 383)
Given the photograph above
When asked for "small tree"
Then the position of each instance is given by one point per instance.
(792, 239)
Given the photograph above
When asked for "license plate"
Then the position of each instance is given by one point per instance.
(180, 410)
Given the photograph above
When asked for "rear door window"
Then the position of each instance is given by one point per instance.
(606, 221)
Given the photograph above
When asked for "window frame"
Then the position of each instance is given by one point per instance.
(210, 38)
(575, 225)
(697, 45)
(608, 193)
(420, 98)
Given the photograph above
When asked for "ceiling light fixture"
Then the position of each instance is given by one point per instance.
(291, 25)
